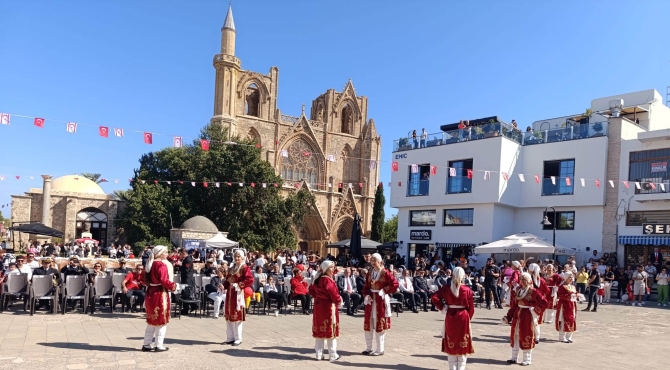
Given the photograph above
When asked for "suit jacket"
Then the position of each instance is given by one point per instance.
(654, 260)
(420, 284)
(186, 270)
(341, 283)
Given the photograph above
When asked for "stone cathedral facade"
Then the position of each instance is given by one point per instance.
(333, 148)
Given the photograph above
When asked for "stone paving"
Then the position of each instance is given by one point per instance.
(616, 337)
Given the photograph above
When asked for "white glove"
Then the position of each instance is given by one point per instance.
(367, 300)
(237, 287)
(381, 293)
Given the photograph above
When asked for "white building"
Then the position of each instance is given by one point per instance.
(463, 188)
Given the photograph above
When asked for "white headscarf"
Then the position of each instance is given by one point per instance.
(325, 265)
(565, 276)
(534, 270)
(378, 257)
(155, 252)
(522, 292)
(456, 280)
(241, 253)
(516, 264)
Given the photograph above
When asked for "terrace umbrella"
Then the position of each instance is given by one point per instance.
(38, 229)
(355, 243)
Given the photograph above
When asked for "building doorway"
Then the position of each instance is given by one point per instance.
(418, 250)
(94, 221)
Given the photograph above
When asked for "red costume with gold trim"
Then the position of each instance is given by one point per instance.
(522, 319)
(326, 316)
(567, 307)
(386, 282)
(243, 278)
(553, 281)
(457, 339)
(157, 301)
(546, 292)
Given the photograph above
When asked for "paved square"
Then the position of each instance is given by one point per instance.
(616, 337)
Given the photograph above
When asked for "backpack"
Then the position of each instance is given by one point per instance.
(188, 294)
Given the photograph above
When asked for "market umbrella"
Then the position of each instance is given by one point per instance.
(38, 229)
(355, 244)
(365, 244)
(219, 241)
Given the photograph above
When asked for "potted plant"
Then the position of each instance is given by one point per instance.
(478, 132)
(538, 135)
(585, 117)
(491, 129)
(597, 127)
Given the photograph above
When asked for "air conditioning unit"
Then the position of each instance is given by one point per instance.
(646, 186)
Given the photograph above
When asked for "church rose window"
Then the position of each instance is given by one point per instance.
(300, 164)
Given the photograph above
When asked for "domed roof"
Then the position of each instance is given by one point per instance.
(199, 223)
(76, 184)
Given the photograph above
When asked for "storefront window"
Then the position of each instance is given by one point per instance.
(639, 254)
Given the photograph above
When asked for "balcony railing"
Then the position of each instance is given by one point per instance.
(560, 188)
(497, 129)
(417, 188)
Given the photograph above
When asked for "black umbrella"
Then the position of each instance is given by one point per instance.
(39, 229)
(355, 243)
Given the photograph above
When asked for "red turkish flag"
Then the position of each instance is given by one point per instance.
(103, 131)
(156, 182)
(339, 184)
(205, 184)
(360, 184)
(18, 177)
(253, 185)
(229, 184)
(394, 166)
(505, 176)
(204, 144)
(625, 183)
(258, 146)
(181, 183)
(399, 183)
(148, 138)
(470, 174)
(597, 183)
(275, 184)
(537, 179)
(567, 181)
(653, 186)
(433, 171)
(307, 154)
(39, 122)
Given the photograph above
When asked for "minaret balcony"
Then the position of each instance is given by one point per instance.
(225, 58)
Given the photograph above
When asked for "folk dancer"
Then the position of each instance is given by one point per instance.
(512, 283)
(238, 278)
(553, 281)
(524, 310)
(326, 317)
(159, 283)
(541, 285)
(566, 308)
(458, 310)
(380, 285)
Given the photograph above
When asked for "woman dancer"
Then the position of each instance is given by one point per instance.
(459, 308)
(553, 280)
(326, 318)
(566, 309)
(238, 278)
(541, 285)
(523, 313)
(157, 303)
(380, 284)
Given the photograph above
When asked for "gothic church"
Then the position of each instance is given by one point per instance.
(334, 151)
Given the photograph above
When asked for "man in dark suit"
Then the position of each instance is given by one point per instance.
(186, 271)
(656, 259)
(347, 286)
(46, 269)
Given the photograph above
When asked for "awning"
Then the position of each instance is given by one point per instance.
(453, 245)
(644, 239)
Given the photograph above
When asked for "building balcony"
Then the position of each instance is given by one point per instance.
(418, 188)
(498, 129)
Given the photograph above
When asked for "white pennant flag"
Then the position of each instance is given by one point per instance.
(116, 181)
(118, 132)
(373, 165)
(2, 178)
(521, 178)
(71, 127)
(331, 158)
(553, 180)
(31, 177)
(350, 186)
(662, 186)
(284, 153)
(637, 185)
(169, 182)
(487, 175)
(264, 185)
(452, 171)
(241, 184)
(4, 119)
(583, 182)
(192, 183)
(330, 185)
(217, 184)
(612, 183)
(415, 168)
(143, 181)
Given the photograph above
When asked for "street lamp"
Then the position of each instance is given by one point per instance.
(546, 222)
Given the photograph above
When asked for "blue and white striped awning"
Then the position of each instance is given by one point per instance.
(645, 239)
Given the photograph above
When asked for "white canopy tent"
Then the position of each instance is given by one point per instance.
(524, 243)
(218, 241)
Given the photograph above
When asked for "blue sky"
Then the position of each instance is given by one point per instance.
(147, 65)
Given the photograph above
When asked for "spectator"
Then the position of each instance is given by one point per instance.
(132, 287)
(639, 285)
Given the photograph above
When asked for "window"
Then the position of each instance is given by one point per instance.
(458, 217)
(462, 182)
(637, 218)
(347, 118)
(419, 181)
(252, 101)
(650, 166)
(560, 171)
(564, 221)
(422, 218)
(300, 163)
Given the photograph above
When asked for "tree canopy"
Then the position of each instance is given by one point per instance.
(259, 218)
(378, 215)
(95, 177)
(390, 233)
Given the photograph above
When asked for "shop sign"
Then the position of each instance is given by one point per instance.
(190, 243)
(420, 234)
(659, 166)
(663, 229)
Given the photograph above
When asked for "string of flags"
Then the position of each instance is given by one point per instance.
(569, 181)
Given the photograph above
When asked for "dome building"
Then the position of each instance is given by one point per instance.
(72, 204)
(193, 231)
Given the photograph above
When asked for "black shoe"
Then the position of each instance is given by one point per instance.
(499, 307)
(488, 307)
(147, 349)
(587, 309)
(350, 314)
(511, 361)
(228, 342)
(157, 349)
(415, 310)
(594, 310)
(537, 341)
(366, 352)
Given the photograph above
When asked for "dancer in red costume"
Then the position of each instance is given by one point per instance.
(523, 315)
(553, 281)
(513, 282)
(326, 316)
(459, 308)
(380, 285)
(566, 309)
(541, 285)
(238, 278)
(159, 274)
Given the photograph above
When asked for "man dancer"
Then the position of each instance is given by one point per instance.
(379, 287)
(541, 286)
(159, 281)
(553, 282)
(526, 305)
(491, 275)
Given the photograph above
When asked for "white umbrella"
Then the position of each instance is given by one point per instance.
(501, 246)
(523, 236)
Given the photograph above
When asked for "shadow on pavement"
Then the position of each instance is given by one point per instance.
(185, 342)
(494, 338)
(88, 347)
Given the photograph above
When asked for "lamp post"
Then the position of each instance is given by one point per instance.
(546, 222)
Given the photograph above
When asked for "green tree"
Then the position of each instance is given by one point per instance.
(378, 214)
(390, 232)
(95, 177)
(123, 195)
(259, 218)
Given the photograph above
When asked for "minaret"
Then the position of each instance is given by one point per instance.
(227, 69)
